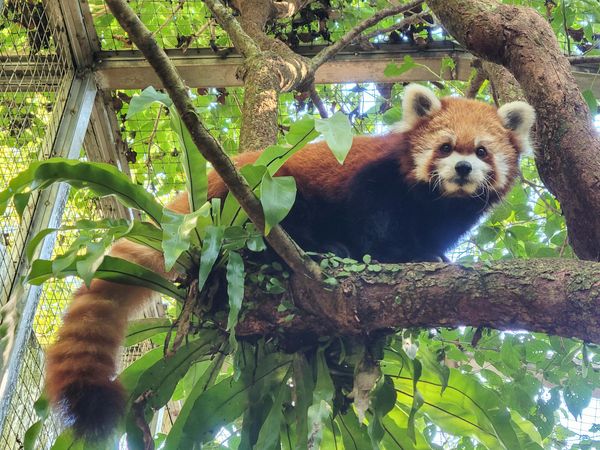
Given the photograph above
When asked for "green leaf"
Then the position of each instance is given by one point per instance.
(301, 132)
(268, 437)
(417, 399)
(142, 329)
(161, 377)
(577, 395)
(393, 70)
(88, 264)
(304, 384)
(112, 269)
(235, 291)
(354, 436)
(20, 201)
(383, 399)
(31, 435)
(148, 96)
(220, 405)
(392, 115)
(590, 99)
(102, 179)
(177, 232)
(194, 164)
(320, 410)
(277, 198)
(210, 251)
(173, 440)
(337, 132)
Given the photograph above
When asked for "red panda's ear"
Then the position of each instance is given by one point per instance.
(418, 102)
(519, 118)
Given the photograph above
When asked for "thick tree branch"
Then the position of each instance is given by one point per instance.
(273, 68)
(568, 150)
(584, 59)
(329, 52)
(545, 295)
(208, 146)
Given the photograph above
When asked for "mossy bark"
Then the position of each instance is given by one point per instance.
(552, 296)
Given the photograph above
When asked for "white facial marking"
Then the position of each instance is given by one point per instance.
(423, 158)
(446, 168)
(501, 170)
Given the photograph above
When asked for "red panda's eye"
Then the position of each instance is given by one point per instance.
(481, 152)
(446, 148)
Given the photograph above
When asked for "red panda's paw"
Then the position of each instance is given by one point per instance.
(93, 410)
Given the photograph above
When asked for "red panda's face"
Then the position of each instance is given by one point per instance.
(464, 147)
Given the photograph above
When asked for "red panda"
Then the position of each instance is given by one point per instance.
(404, 196)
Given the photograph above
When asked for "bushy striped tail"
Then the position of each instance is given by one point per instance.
(81, 365)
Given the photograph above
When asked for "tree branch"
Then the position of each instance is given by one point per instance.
(584, 59)
(541, 295)
(241, 40)
(568, 150)
(329, 52)
(206, 143)
(285, 9)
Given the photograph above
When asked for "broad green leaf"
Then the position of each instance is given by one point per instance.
(591, 101)
(393, 70)
(112, 269)
(161, 377)
(418, 400)
(222, 404)
(301, 133)
(102, 179)
(210, 251)
(337, 132)
(235, 291)
(178, 232)
(277, 197)
(432, 365)
(31, 435)
(304, 387)
(577, 395)
(207, 380)
(87, 264)
(194, 164)
(392, 115)
(321, 409)
(148, 96)
(354, 435)
(142, 329)
(383, 399)
(268, 437)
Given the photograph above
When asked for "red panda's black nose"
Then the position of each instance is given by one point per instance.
(463, 168)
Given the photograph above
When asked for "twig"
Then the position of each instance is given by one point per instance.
(408, 21)
(196, 35)
(241, 40)
(318, 102)
(287, 249)
(541, 196)
(329, 52)
(140, 419)
(184, 320)
(170, 18)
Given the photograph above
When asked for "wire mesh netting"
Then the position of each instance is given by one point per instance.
(35, 75)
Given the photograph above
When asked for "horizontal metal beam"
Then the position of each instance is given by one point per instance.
(204, 68)
(200, 68)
